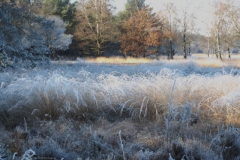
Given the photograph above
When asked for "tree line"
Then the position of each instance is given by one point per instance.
(32, 28)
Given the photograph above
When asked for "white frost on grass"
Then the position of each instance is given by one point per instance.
(144, 89)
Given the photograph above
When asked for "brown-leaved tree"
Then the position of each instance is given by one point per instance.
(142, 33)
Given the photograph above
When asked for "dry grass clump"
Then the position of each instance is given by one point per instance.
(56, 96)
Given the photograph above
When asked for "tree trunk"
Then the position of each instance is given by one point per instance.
(184, 45)
(208, 47)
(171, 52)
(53, 56)
(189, 49)
(218, 47)
(215, 51)
(229, 53)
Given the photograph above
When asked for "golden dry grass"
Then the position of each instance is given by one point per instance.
(119, 60)
(201, 60)
(204, 61)
(214, 63)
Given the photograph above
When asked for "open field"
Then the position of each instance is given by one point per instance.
(179, 109)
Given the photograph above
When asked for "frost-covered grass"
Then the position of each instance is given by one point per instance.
(155, 110)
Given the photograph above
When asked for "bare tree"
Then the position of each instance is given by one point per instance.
(233, 30)
(187, 26)
(220, 22)
(95, 26)
(170, 26)
(234, 15)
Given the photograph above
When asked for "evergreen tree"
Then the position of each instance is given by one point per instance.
(131, 7)
(134, 5)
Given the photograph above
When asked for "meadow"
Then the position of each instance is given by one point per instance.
(115, 108)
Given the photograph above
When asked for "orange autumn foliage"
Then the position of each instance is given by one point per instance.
(142, 33)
